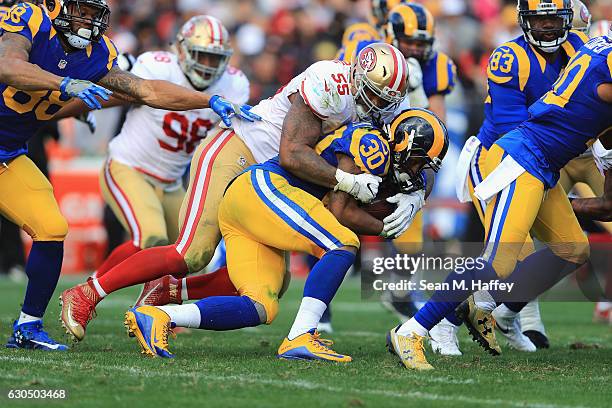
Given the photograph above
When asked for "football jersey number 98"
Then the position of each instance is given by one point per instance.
(188, 135)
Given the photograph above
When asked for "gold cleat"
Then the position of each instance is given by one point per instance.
(409, 349)
(310, 346)
(480, 324)
(151, 327)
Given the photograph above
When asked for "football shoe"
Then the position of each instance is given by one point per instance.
(409, 349)
(509, 326)
(151, 327)
(159, 292)
(310, 346)
(443, 339)
(78, 308)
(480, 324)
(31, 335)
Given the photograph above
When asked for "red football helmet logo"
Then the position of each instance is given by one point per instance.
(367, 59)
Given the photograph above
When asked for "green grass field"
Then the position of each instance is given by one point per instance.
(240, 369)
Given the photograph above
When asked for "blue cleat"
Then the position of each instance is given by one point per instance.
(151, 327)
(31, 336)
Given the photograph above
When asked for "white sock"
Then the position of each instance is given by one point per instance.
(530, 317)
(412, 326)
(184, 293)
(447, 322)
(484, 300)
(98, 288)
(26, 318)
(307, 317)
(187, 315)
(503, 310)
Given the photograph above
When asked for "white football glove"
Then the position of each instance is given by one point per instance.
(408, 205)
(415, 74)
(602, 156)
(363, 187)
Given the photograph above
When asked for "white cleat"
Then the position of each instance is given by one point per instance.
(443, 339)
(507, 323)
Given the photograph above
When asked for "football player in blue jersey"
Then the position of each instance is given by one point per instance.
(49, 57)
(411, 28)
(522, 194)
(520, 71)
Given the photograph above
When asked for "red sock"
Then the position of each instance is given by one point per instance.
(216, 283)
(118, 255)
(144, 266)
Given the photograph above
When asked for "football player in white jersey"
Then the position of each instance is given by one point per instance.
(142, 177)
(321, 99)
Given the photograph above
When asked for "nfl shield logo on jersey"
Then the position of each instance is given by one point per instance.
(62, 64)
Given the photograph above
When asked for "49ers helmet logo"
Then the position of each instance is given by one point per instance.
(584, 14)
(367, 59)
(188, 29)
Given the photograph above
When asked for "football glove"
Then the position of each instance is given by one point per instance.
(602, 156)
(408, 205)
(226, 110)
(363, 187)
(85, 90)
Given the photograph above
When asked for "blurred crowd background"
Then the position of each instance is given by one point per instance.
(274, 40)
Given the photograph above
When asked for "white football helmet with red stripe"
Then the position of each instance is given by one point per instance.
(203, 50)
(379, 76)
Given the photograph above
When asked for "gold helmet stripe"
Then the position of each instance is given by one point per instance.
(53, 12)
(411, 24)
(559, 4)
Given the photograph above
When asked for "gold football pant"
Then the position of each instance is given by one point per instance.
(475, 177)
(146, 209)
(582, 170)
(261, 217)
(411, 241)
(27, 199)
(216, 162)
(523, 206)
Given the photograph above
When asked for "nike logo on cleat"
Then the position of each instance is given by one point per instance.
(51, 346)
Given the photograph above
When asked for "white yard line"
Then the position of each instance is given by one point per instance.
(302, 384)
